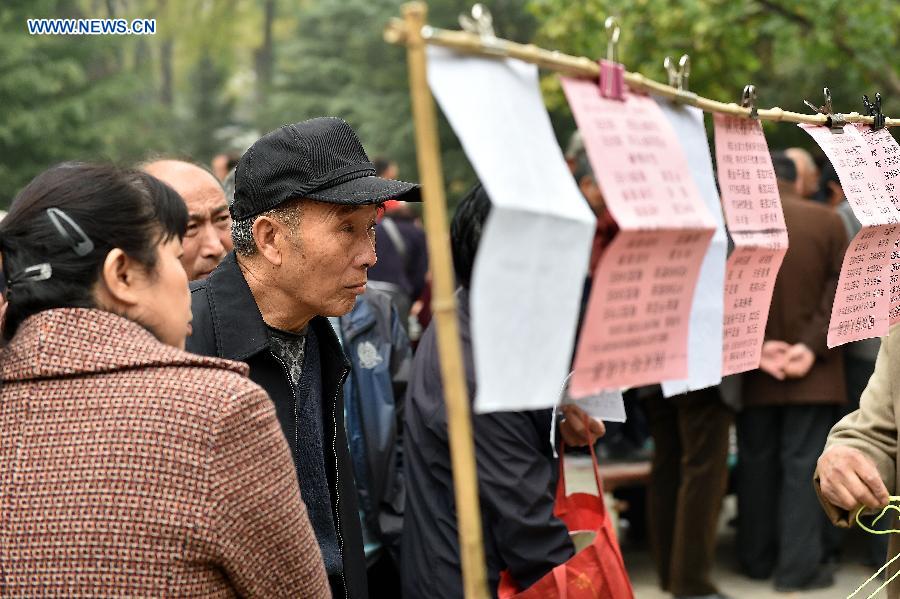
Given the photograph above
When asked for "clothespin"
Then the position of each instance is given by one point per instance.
(481, 23)
(612, 73)
(873, 109)
(748, 100)
(835, 122)
(678, 78)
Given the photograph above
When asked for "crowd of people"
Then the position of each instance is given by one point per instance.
(213, 385)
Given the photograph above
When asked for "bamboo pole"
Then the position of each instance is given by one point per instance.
(398, 32)
(459, 425)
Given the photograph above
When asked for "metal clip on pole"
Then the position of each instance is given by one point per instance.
(612, 73)
(748, 100)
(678, 78)
(481, 23)
(835, 122)
(873, 109)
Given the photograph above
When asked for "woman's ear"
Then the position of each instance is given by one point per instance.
(265, 231)
(118, 279)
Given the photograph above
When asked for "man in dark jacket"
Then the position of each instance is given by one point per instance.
(516, 469)
(304, 220)
(789, 402)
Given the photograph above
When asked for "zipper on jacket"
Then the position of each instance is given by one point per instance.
(337, 472)
(337, 477)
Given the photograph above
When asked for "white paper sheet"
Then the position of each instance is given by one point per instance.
(707, 310)
(535, 248)
(608, 406)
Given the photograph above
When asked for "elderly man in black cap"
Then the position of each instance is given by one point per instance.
(304, 210)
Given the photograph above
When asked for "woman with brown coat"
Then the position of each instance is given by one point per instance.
(129, 467)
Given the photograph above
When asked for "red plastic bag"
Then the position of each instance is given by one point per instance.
(595, 572)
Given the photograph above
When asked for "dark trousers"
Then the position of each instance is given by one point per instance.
(687, 484)
(337, 586)
(779, 518)
(384, 578)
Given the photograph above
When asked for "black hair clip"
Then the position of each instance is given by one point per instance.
(82, 246)
(873, 109)
(37, 272)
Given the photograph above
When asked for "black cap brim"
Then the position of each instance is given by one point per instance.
(367, 190)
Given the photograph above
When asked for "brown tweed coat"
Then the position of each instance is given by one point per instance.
(130, 468)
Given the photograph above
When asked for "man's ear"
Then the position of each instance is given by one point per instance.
(265, 232)
(118, 278)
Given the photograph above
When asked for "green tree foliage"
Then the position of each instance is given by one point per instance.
(219, 73)
(789, 50)
(61, 100)
(337, 63)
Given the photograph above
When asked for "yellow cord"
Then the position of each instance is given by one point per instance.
(884, 511)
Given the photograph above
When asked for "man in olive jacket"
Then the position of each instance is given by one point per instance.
(304, 213)
(859, 466)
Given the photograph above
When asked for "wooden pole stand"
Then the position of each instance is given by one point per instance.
(459, 424)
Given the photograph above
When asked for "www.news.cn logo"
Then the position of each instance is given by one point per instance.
(92, 26)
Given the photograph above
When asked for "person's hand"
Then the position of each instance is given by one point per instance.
(798, 360)
(578, 429)
(772, 358)
(848, 479)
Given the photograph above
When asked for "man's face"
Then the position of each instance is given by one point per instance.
(208, 237)
(326, 257)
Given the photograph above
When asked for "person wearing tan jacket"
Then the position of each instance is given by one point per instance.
(859, 466)
(129, 467)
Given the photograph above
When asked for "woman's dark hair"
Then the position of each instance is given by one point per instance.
(465, 232)
(113, 207)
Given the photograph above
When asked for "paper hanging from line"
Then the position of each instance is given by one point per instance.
(884, 154)
(755, 220)
(862, 302)
(707, 309)
(636, 325)
(535, 247)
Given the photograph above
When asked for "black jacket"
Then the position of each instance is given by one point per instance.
(227, 324)
(516, 485)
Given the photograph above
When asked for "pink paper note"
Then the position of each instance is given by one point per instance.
(867, 301)
(636, 327)
(861, 304)
(755, 220)
(748, 296)
(884, 156)
(637, 320)
(637, 160)
(863, 183)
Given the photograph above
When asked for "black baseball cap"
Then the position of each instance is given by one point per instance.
(321, 159)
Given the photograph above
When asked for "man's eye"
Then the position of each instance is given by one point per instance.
(191, 230)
